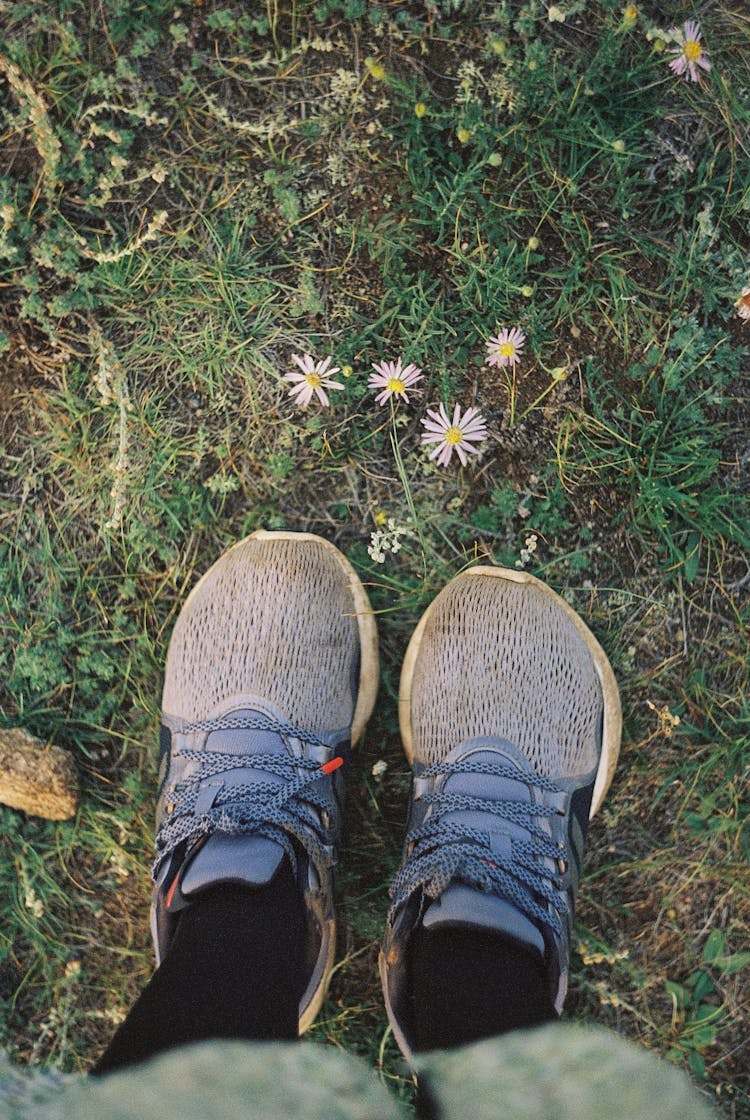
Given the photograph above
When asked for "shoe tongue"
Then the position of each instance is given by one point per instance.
(246, 860)
(462, 905)
(223, 858)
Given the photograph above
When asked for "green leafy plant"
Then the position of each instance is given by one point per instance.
(698, 1012)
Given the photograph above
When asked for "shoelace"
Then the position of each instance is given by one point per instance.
(299, 808)
(443, 852)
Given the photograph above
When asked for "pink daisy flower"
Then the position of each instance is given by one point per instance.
(505, 349)
(743, 303)
(457, 434)
(393, 380)
(689, 53)
(314, 379)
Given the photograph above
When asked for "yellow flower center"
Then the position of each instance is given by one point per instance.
(313, 380)
(453, 436)
(507, 350)
(631, 13)
(395, 385)
(693, 50)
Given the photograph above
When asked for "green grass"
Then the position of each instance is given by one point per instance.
(187, 199)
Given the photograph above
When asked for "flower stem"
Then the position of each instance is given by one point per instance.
(401, 470)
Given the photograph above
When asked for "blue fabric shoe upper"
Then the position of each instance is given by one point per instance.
(491, 845)
(488, 821)
(258, 778)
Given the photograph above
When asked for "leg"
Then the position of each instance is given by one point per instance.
(271, 674)
(234, 970)
(511, 720)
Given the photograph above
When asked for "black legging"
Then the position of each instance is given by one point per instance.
(235, 969)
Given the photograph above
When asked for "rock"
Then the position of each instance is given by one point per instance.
(36, 777)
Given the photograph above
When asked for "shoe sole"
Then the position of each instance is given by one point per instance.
(369, 676)
(612, 722)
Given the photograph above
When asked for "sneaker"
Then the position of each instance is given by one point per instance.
(271, 674)
(510, 719)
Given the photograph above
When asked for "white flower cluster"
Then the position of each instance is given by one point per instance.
(527, 551)
(386, 540)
